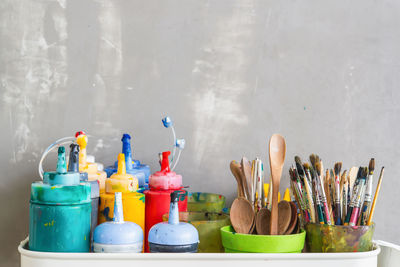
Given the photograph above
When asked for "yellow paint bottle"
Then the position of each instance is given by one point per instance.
(90, 168)
(132, 201)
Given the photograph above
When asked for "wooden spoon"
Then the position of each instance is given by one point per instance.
(242, 215)
(293, 220)
(277, 151)
(235, 169)
(285, 216)
(263, 221)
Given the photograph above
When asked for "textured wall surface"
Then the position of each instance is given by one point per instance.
(325, 74)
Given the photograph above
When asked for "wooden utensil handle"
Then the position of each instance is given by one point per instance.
(274, 211)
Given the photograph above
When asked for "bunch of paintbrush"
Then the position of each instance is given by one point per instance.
(334, 198)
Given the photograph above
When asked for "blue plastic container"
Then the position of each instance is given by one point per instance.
(60, 211)
(133, 167)
(118, 236)
(174, 236)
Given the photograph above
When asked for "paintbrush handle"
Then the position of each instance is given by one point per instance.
(338, 216)
(364, 212)
(378, 187)
(310, 200)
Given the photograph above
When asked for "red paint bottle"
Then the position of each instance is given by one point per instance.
(162, 184)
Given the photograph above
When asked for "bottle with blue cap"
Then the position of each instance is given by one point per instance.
(73, 166)
(133, 167)
(174, 236)
(60, 211)
(118, 236)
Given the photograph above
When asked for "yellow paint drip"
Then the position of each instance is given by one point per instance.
(49, 223)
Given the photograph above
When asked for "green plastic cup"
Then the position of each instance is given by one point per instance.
(208, 225)
(242, 243)
(339, 238)
(208, 202)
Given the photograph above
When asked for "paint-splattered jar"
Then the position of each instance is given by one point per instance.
(133, 202)
(133, 167)
(174, 236)
(59, 211)
(118, 236)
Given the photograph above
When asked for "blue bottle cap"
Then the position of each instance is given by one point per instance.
(173, 232)
(118, 232)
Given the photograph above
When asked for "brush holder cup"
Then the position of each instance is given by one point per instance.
(339, 238)
(208, 225)
(207, 202)
(244, 243)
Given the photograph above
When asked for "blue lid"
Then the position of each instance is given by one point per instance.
(73, 164)
(61, 176)
(133, 167)
(173, 232)
(118, 232)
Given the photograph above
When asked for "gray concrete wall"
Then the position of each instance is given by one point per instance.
(324, 74)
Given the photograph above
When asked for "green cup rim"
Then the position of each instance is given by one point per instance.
(227, 228)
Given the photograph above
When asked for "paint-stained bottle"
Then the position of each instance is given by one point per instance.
(118, 236)
(91, 168)
(174, 236)
(59, 211)
(73, 166)
(134, 167)
(133, 202)
(162, 184)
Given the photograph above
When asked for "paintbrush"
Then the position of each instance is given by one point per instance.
(354, 194)
(351, 180)
(329, 198)
(319, 168)
(343, 195)
(368, 194)
(296, 192)
(338, 215)
(302, 175)
(378, 187)
(356, 208)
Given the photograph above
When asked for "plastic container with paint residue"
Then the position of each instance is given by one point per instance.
(208, 224)
(133, 167)
(207, 202)
(118, 236)
(59, 211)
(90, 168)
(173, 236)
(159, 195)
(133, 202)
(73, 166)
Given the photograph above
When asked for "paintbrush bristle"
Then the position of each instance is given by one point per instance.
(371, 166)
(306, 166)
(313, 160)
(337, 168)
(365, 172)
(318, 168)
(343, 178)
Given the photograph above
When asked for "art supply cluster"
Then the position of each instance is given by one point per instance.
(84, 207)
(334, 197)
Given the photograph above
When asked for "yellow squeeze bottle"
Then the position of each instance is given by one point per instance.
(132, 201)
(88, 167)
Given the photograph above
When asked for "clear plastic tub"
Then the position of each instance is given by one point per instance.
(45, 259)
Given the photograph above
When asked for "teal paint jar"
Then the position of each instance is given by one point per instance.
(60, 211)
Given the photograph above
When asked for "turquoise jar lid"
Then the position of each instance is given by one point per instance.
(60, 187)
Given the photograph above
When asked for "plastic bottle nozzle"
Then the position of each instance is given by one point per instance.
(61, 162)
(118, 211)
(173, 208)
(81, 140)
(73, 164)
(165, 161)
(126, 149)
(121, 164)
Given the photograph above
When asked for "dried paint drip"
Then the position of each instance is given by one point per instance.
(60, 211)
